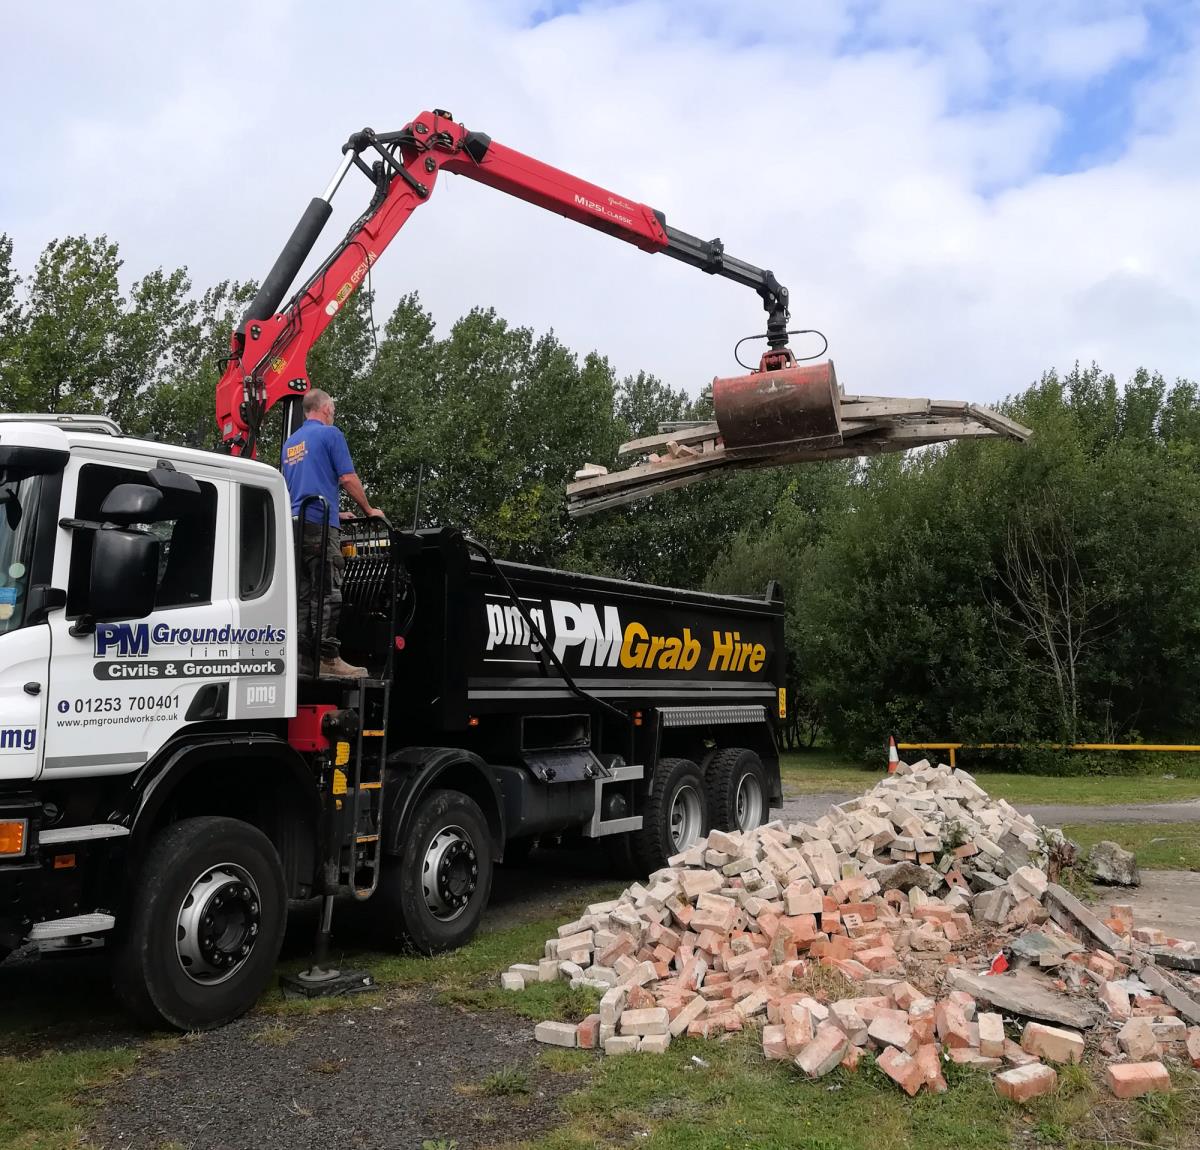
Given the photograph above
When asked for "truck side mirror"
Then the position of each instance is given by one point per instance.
(131, 503)
(124, 574)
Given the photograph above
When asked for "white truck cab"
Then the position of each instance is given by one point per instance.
(199, 625)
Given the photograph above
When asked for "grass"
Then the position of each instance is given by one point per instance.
(1158, 846)
(42, 1099)
(817, 772)
(505, 1082)
(710, 1096)
(671, 1102)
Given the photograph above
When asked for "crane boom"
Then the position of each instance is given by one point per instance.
(269, 349)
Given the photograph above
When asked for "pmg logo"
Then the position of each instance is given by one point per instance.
(260, 695)
(127, 640)
(15, 739)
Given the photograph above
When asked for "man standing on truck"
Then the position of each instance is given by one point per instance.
(316, 461)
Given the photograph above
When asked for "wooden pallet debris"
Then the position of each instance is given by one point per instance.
(684, 453)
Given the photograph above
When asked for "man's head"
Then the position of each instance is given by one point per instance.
(319, 405)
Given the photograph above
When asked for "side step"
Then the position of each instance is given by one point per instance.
(67, 927)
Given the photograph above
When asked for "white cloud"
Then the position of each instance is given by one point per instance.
(826, 141)
(1081, 52)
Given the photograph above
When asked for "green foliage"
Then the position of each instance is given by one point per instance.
(923, 602)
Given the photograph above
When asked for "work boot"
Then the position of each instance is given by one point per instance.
(338, 668)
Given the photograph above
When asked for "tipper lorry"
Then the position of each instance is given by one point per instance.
(168, 783)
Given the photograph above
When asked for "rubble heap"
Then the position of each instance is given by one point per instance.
(918, 894)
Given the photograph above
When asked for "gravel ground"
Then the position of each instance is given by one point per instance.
(384, 1076)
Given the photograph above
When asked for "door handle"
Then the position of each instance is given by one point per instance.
(33, 688)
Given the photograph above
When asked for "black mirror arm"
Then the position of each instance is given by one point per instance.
(84, 625)
(80, 524)
(95, 525)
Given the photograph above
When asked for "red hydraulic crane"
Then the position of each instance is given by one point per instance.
(270, 347)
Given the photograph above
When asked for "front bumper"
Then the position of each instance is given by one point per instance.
(58, 876)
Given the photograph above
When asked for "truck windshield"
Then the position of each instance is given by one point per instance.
(18, 506)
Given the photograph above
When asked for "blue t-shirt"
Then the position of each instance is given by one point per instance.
(313, 460)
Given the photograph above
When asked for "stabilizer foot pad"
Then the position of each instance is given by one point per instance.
(319, 983)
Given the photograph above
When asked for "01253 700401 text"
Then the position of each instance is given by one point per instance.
(117, 704)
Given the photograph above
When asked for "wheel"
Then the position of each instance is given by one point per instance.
(675, 815)
(205, 923)
(434, 893)
(517, 851)
(737, 790)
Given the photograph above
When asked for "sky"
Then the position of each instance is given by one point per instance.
(960, 194)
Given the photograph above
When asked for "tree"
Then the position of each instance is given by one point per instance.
(178, 405)
(68, 350)
(12, 326)
(1055, 613)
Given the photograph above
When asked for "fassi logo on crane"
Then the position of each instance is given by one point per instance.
(600, 639)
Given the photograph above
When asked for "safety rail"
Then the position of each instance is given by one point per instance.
(954, 747)
(374, 583)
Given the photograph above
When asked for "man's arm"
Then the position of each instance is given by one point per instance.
(347, 476)
(352, 486)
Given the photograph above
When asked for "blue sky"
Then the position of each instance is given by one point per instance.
(960, 193)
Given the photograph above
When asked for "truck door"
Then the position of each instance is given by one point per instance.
(120, 690)
(24, 637)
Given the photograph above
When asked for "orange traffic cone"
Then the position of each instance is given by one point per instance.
(893, 757)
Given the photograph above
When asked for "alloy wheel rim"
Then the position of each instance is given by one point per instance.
(685, 817)
(218, 924)
(449, 873)
(748, 802)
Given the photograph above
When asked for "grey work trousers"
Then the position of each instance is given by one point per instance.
(315, 569)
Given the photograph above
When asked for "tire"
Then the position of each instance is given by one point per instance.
(170, 964)
(422, 916)
(675, 814)
(737, 790)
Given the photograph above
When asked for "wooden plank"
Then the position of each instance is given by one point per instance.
(943, 429)
(852, 427)
(1000, 423)
(661, 439)
(948, 407)
(577, 508)
(852, 408)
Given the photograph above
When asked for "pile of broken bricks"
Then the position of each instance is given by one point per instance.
(921, 894)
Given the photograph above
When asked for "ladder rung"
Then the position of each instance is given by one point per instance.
(373, 734)
(367, 839)
(369, 786)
